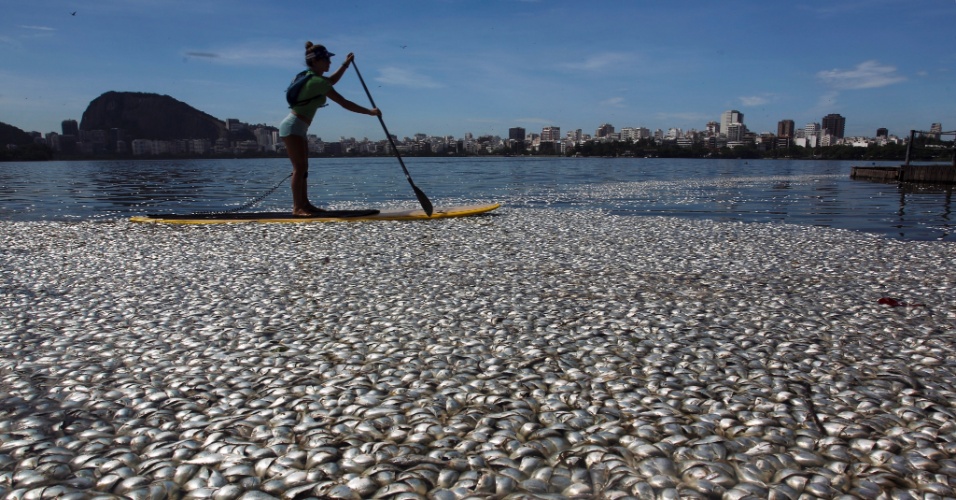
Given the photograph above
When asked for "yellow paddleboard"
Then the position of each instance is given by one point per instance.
(330, 216)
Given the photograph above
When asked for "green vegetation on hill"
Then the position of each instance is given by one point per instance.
(17, 145)
(150, 116)
(12, 135)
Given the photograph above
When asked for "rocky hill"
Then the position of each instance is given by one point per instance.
(12, 135)
(150, 116)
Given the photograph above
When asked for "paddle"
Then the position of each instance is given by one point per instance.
(426, 204)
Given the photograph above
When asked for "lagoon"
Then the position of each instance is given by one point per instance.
(812, 193)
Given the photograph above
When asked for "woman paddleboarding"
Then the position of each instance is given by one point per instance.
(308, 93)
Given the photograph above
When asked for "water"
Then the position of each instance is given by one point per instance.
(800, 192)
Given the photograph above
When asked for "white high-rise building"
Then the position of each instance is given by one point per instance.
(635, 133)
(812, 133)
(736, 131)
(550, 134)
(728, 117)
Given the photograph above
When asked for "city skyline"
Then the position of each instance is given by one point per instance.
(730, 132)
(450, 67)
(832, 124)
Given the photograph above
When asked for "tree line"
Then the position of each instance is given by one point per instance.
(923, 150)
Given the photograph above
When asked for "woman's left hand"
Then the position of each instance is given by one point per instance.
(348, 59)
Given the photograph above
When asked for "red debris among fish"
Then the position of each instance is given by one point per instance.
(895, 303)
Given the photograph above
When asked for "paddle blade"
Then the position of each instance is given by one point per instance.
(425, 202)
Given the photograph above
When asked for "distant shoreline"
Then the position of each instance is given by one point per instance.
(259, 156)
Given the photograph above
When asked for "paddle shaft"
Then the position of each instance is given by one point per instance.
(425, 202)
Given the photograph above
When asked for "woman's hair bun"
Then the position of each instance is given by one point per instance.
(308, 45)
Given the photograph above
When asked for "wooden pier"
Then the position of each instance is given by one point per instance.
(882, 174)
(927, 174)
(923, 174)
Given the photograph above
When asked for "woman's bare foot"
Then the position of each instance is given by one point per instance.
(304, 212)
(309, 211)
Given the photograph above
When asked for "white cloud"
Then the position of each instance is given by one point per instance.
(866, 75)
(614, 102)
(756, 100)
(248, 54)
(28, 33)
(405, 78)
(600, 61)
(845, 7)
(202, 55)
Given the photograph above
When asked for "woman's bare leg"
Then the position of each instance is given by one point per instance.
(298, 149)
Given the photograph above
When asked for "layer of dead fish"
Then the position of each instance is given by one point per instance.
(533, 354)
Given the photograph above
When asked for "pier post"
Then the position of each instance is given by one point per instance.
(909, 147)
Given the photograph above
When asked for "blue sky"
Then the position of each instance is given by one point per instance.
(448, 67)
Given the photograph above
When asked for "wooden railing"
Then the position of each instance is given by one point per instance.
(910, 144)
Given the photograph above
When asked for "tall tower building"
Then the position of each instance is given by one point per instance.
(728, 117)
(785, 128)
(834, 124)
(70, 127)
(516, 134)
(882, 132)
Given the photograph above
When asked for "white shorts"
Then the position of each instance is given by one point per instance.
(293, 125)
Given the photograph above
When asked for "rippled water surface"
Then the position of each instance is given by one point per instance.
(800, 192)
